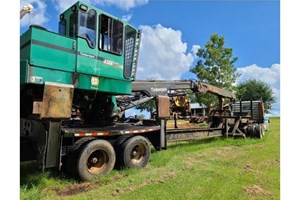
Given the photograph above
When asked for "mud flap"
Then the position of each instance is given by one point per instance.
(53, 150)
(40, 133)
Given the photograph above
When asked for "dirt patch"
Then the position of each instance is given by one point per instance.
(271, 163)
(84, 187)
(168, 176)
(255, 190)
(75, 189)
(190, 162)
(181, 124)
(225, 151)
(248, 168)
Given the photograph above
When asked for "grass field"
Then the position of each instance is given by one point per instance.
(218, 168)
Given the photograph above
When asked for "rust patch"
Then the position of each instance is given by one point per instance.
(57, 101)
(163, 107)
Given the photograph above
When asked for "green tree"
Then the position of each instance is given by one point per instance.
(256, 90)
(149, 106)
(216, 67)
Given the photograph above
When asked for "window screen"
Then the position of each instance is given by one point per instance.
(130, 35)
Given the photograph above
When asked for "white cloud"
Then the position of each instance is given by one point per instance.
(127, 17)
(38, 15)
(268, 75)
(163, 54)
(122, 4)
(195, 49)
(63, 5)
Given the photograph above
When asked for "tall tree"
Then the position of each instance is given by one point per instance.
(216, 67)
(256, 90)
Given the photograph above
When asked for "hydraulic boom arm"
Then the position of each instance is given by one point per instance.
(155, 88)
(146, 90)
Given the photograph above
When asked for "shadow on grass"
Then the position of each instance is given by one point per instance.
(30, 175)
(193, 142)
(215, 141)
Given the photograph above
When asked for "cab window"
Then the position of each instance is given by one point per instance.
(87, 26)
(110, 35)
(62, 27)
(73, 24)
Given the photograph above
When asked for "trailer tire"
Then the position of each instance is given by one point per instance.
(119, 150)
(72, 156)
(251, 130)
(136, 152)
(97, 158)
(258, 131)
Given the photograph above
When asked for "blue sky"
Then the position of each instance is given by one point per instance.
(174, 30)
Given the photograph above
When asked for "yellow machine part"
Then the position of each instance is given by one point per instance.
(181, 101)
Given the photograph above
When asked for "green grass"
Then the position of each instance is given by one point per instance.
(218, 168)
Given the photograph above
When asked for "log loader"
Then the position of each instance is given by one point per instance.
(75, 86)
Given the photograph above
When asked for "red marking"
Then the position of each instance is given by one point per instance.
(94, 134)
(105, 133)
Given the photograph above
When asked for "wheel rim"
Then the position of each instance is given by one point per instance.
(97, 162)
(138, 153)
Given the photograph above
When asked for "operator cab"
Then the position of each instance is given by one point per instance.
(93, 51)
(105, 44)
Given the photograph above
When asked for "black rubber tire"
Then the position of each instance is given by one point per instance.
(258, 131)
(97, 158)
(119, 150)
(136, 152)
(72, 156)
(250, 131)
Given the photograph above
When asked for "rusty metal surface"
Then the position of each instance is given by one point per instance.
(207, 88)
(57, 101)
(37, 107)
(163, 107)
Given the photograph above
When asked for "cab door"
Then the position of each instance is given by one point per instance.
(87, 56)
